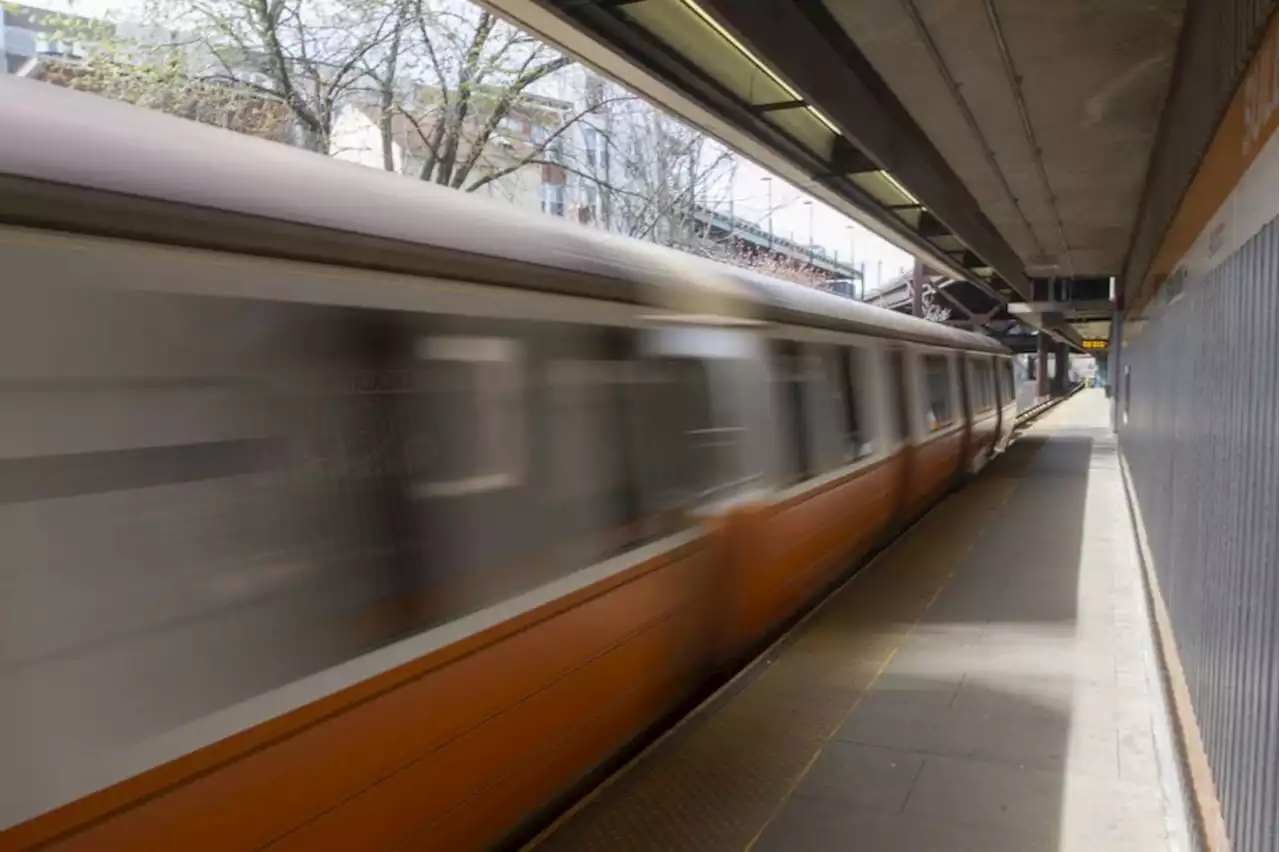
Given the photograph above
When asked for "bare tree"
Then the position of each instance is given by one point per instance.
(775, 266)
(457, 96)
(655, 177)
(465, 75)
(149, 68)
(310, 56)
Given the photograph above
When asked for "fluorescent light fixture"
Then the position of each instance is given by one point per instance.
(831, 125)
(727, 36)
(900, 187)
(756, 61)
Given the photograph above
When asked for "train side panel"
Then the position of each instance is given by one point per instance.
(784, 552)
(532, 704)
(495, 625)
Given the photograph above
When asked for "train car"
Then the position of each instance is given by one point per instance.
(344, 511)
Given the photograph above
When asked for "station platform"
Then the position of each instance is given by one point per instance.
(987, 683)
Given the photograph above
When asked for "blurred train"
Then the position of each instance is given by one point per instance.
(342, 511)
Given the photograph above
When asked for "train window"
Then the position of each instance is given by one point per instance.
(726, 442)
(672, 418)
(583, 462)
(855, 442)
(984, 389)
(832, 423)
(939, 412)
(790, 376)
(706, 377)
(471, 440)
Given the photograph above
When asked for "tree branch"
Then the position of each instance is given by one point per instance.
(571, 170)
(540, 149)
(457, 116)
(510, 95)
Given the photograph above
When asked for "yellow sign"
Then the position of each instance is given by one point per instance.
(1095, 344)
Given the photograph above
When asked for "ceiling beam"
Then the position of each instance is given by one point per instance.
(966, 258)
(929, 226)
(847, 159)
(778, 106)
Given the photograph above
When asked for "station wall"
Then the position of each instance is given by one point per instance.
(1195, 388)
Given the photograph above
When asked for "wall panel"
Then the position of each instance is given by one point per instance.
(1199, 436)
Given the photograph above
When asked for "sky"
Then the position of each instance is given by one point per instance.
(753, 195)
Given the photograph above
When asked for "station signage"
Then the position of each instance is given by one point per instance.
(1094, 345)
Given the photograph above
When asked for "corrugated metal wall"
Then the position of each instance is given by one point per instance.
(1218, 39)
(1199, 434)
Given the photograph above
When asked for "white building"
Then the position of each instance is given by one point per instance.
(518, 151)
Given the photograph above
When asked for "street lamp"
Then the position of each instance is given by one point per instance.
(768, 183)
(853, 264)
(809, 204)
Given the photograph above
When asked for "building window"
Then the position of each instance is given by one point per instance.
(590, 141)
(553, 199)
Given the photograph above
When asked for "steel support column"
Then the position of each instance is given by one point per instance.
(917, 290)
(1042, 364)
(1060, 369)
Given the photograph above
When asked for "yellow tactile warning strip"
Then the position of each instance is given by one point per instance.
(718, 781)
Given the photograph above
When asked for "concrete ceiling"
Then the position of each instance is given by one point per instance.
(1091, 76)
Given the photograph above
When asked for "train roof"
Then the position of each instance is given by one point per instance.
(76, 161)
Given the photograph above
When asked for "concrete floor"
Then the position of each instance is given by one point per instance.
(986, 684)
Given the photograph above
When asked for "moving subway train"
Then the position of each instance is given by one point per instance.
(342, 511)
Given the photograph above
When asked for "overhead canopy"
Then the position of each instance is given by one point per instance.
(1001, 142)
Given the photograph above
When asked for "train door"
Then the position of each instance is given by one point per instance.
(998, 397)
(797, 463)
(965, 379)
(1007, 388)
(899, 393)
(378, 446)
